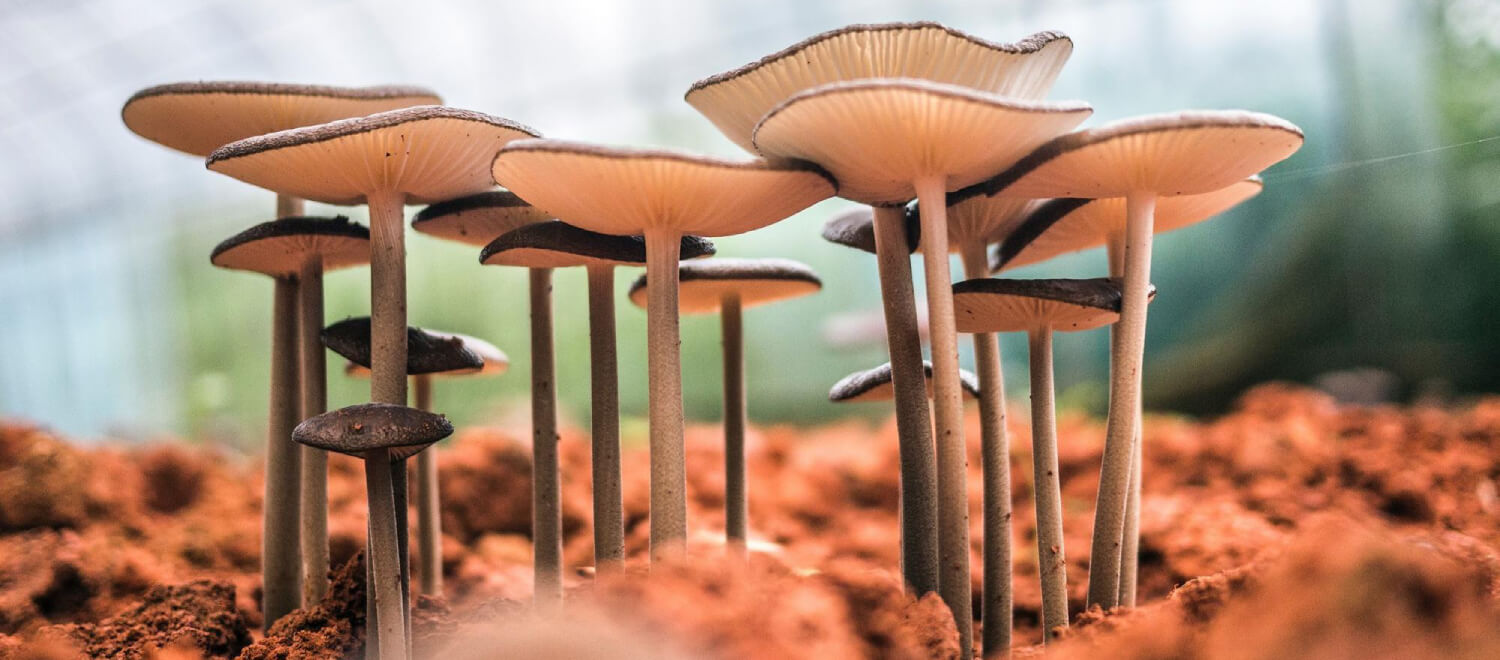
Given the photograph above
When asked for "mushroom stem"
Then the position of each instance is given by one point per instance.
(1124, 404)
(1131, 543)
(664, 352)
(952, 460)
(429, 512)
(609, 513)
(736, 509)
(384, 590)
(996, 611)
(314, 460)
(1051, 559)
(546, 509)
(281, 561)
(400, 494)
(919, 555)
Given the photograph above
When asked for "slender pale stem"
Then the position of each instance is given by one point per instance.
(996, 610)
(919, 555)
(314, 461)
(387, 385)
(400, 496)
(288, 206)
(281, 560)
(1124, 406)
(1131, 543)
(384, 573)
(546, 495)
(736, 504)
(664, 353)
(429, 503)
(1050, 556)
(609, 513)
(952, 456)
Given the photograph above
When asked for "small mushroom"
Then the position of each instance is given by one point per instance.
(660, 195)
(727, 287)
(382, 434)
(556, 244)
(875, 385)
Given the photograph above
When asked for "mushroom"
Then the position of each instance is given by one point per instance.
(1039, 307)
(727, 286)
(282, 249)
(198, 117)
(875, 385)
(382, 434)
(660, 195)
(887, 141)
(1140, 159)
(557, 244)
(420, 154)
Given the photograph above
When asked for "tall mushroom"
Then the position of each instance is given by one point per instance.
(419, 154)
(557, 244)
(198, 117)
(727, 286)
(660, 195)
(1140, 159)
(887, 141)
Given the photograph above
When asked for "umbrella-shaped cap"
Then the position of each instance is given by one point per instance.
(702, 285)
(198, 117)
(427, 153)
(875, 385)
(855, 228)
(427, 352)
(279, 248)
(878, 137)
(997, 305)
(735, 100)
(628, 192)
(355, 430)
(557, 244)
(1182, 153)
(477, 219)
(1071, 224)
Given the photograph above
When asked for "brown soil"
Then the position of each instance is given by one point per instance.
(1291, 527)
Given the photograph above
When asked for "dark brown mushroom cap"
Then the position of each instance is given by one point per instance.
(358, 429)
(479, 218)
(557, 244)
(702, 285)
(279, 248)
(426, 352)
(1063, 305)
(198, 117)
(875, 385)
(855, 228)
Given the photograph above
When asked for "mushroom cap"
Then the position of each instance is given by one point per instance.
(354, 430)
(735, 100)
(477, 219)
(981, 220)
(557, 244)
(428, 153)
(1180, 153)
(878, 137)
(1000, 305)
(279, 248)
(628, 192)
(875, 385)
(198, 117)
(427, 351)
(1070, 224)
(702, 285)
(855, 228)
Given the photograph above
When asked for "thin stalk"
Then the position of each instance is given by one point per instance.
(400, 498)
(736, 505)
(919, 518)
(996, 610)
(384, 590)
(281, 561)
(1124, 406)
(314, 461)
(1130, 546)
(429, 503)
(664, 353)
(1050, 556)
(952, 459)
(387, 385)
(609, 512)
(546, 496)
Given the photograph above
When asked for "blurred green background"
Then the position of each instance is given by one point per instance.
(1369, 266)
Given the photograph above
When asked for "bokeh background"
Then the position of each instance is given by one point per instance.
(1370, 265)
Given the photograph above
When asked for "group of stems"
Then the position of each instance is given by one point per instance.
(1130, 544)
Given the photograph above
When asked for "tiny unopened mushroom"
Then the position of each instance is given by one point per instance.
(874, 384)
(382, 434)
(556, 244)
(727, 286)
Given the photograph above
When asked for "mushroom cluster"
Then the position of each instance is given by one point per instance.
(945, 136)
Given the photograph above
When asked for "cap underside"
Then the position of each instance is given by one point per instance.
(280, 248)
(1061, 305)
